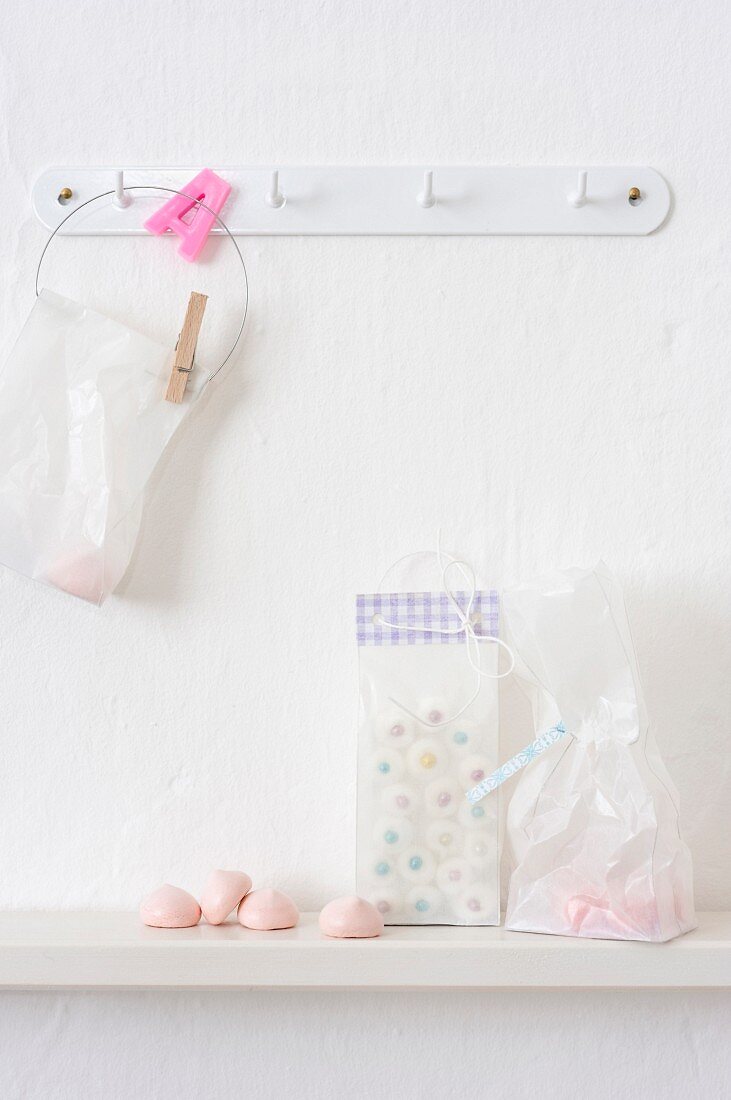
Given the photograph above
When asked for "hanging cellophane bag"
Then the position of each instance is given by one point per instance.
(593, 822)
(428, 731)
(83, 423)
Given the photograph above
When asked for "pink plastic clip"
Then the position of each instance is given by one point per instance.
(207, 187)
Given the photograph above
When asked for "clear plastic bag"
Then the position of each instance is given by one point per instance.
(425, 856)
(593, 822)
(83, 422)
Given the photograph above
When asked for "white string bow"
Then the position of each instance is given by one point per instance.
(466, 627)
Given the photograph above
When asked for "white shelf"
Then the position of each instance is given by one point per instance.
(114, 951)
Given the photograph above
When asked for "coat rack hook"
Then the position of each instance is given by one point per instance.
(426, 197)
(577, 198)
(274, 196)
(121, 199)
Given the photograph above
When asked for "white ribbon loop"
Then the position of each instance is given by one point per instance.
(466, 627)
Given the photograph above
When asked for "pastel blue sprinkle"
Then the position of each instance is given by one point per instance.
(422, 905)
(460, 738)
(415, 863)
(390, 836)
(384, 767)
(477, 811)
(382, 868)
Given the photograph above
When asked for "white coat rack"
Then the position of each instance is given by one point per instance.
(373, 201)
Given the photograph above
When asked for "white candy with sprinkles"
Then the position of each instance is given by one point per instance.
(444, 839)
(426, 759)
(416, 865)
(472, 816)
(389, 903)
(463, 738)
(434, 712)
(475, 904)
(424, 904)
(383, 869)
(395, 730)
(472, 770)
(387, 767)
(399, 799)
(443, 797)
(479, 847)
(454, 875)
(393, 834)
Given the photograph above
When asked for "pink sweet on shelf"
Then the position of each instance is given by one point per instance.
(222, 893)
(207, 188)
(170, 907)
(351, 918)
(266, 910)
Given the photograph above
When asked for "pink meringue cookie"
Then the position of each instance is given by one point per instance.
(222, 893)
(266, 910)
(351, 918)
(170, 907)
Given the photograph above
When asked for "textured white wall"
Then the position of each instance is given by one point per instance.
(546, 401)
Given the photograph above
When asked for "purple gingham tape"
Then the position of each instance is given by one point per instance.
(420, 616)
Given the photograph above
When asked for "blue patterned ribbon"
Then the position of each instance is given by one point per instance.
(510, 767)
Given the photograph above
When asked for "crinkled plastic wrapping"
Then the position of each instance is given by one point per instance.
(424, 854)
(593, 822)
(83, 422)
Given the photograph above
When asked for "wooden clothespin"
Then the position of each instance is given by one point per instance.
(185, 348)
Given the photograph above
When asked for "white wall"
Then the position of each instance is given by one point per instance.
(546, 401)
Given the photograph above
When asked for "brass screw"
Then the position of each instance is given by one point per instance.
(65, 195)
(634, 195)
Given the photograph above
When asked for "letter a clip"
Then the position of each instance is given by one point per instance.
(208, 193)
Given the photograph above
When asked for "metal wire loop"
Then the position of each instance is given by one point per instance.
(197, 202)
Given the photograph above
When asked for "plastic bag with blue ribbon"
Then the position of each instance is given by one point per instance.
(593, 822)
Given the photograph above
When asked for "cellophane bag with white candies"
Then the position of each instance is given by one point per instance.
(593, 822)
(425, 855)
